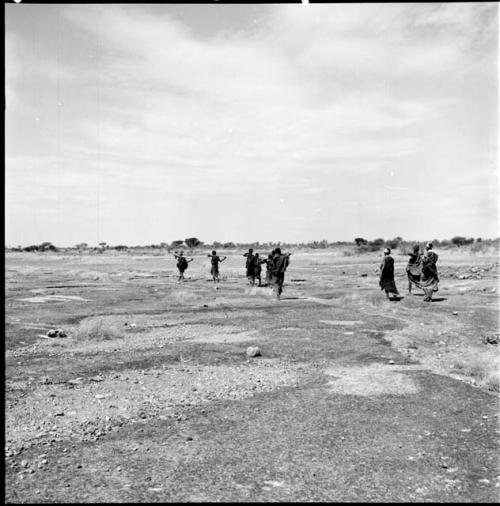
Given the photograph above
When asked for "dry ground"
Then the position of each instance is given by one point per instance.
(151, 397)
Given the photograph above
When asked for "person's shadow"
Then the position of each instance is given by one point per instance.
(438, 299)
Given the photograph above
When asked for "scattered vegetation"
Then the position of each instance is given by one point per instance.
(361, 245)
(97, 328)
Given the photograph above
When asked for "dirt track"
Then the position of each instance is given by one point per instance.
(152, 398)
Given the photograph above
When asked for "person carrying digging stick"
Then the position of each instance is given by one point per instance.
(182, 264)
(214, 271)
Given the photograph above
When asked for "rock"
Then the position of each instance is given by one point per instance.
(59, 413)
(253, 351)
(455, 312)
(52, 333)
(24, 463)
(189, 438)
(76, 381)
(484, 481)
(391, 362)
(96, 378)
(364, 275)
(61, 333)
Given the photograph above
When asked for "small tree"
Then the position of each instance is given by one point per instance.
(192, 242)
(360, 241)
(176, 244)
(458, 240)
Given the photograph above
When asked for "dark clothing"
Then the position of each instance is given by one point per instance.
(215, 265)
(182, 264)
(387, 282)
(429, 279)
(250, 264)
(279, 265)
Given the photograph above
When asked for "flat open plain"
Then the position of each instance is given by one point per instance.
(151, 396)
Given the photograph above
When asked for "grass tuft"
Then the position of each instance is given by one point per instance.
(97, 328)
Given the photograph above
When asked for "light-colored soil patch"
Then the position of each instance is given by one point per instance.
(342, 322)
(54, 298)
(224, 337)
(375, 379)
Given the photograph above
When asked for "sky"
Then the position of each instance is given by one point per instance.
(139, 124)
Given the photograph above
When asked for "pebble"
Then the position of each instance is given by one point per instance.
(253, 351)
(391, 362)
(455, 312)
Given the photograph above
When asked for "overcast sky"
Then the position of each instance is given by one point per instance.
(137, 124)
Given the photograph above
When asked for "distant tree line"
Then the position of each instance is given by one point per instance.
(362, 245)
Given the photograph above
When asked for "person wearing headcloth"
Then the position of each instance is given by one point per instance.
(387, 282)
(429, 279)
(250, 266)
(414, 268)
(279, 266)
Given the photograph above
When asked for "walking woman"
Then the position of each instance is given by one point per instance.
(387, 282)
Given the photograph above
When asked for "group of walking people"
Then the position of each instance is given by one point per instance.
(421, 271)
(276, 264)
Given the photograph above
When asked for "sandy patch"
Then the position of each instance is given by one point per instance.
(342, 322)
(375, 379)
(239, 337)
(54, 298)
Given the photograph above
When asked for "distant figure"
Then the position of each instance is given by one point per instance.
(279, 266)
(429, 279)
(414, 268)
(215, 265)
(182, 264)
(250, 266)
(387, 282)
(258, 267)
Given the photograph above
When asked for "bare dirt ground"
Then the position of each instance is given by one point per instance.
(151, 396)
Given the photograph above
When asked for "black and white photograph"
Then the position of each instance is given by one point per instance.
(251, 252)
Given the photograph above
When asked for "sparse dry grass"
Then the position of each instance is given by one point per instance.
(483, 368)
(97, 328)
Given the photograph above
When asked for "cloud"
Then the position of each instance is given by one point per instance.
(309, 96)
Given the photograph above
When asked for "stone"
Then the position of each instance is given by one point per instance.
(455, 312)
(253, 351)
(24, 463)
(52, 333)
